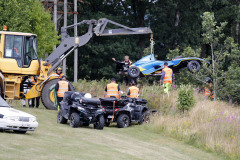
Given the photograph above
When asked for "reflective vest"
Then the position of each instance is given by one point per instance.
(16, 51)
(208, 92)
(32, 81)
(59, 75)
(112, 90)
(168, 75)
(134, 92)
(63, 87)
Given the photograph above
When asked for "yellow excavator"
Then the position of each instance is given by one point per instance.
(19, 60)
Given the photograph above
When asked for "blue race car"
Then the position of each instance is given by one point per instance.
(149, 66)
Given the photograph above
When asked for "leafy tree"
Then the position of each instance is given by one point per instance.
(29, 16)
(224, 60)
(212, 36)
(186, 98)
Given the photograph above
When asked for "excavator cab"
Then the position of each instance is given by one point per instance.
(18, 53)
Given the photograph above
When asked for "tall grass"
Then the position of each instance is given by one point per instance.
(213, 125)
(153, 93)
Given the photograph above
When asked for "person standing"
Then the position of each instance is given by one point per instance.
(112, 89)
(208, 89)
(167, 78)
(133, 91)
(59, 72)
(37, 99)
(26, 87)
(61, 87)
(127, 64)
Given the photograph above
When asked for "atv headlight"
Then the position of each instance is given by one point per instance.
(80, 109)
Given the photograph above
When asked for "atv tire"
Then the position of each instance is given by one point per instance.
(74, 120)
(100, 124)
(123, 121)
(145, 118)
(107, 124)
(45, 95)
(134, 72)
(60, 118)
(193, 66)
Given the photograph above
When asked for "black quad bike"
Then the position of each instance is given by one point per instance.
(80, 111)
(125, 111)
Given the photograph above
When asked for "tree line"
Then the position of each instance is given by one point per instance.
(177, 26)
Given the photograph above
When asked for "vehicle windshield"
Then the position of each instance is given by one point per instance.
(3, 103)
(14, 48)
(21, 48)
(30, 50)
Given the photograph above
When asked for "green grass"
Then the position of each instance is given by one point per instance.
(58, 141)
(210, 125)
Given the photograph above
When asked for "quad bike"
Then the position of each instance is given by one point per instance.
(125, 111)
(81, 110)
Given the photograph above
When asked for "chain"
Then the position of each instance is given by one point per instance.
(152, 44)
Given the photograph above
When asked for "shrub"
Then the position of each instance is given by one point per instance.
(185, 98)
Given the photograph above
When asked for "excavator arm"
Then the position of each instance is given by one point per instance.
(95, 27)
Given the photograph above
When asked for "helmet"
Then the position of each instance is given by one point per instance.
(208, 79)
(132, 82)
(63, 77)
(113, 79)
(59, 68)
(87, 95)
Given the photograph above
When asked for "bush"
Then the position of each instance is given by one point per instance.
(185, 97)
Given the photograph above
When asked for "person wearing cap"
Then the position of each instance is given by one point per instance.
(133, 91)
(61, 87)
(59, 72)
(112, 89)
(167, 77)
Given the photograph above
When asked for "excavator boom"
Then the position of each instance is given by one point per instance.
(95, 27)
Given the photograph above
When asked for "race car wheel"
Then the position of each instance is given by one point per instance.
(60, 118)
(47, 95)
(145, 118)
(193, 66)
(74, 120)
(123, 121)
(100, 123)
(134, 72)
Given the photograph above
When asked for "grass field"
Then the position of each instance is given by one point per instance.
(57, 141)
(210, 125)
